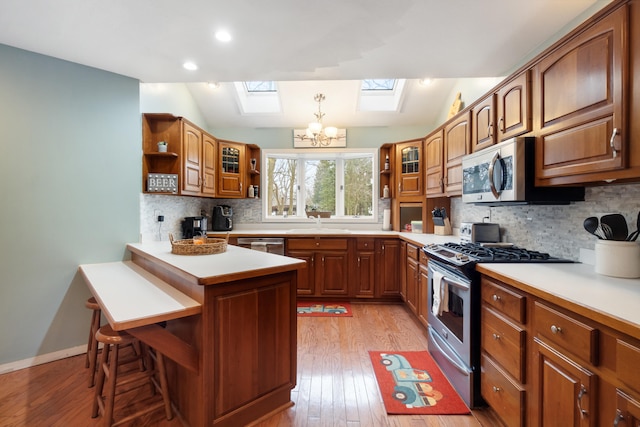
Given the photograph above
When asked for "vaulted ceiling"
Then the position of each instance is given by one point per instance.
(306, 46)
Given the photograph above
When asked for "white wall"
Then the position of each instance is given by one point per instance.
(69, 183)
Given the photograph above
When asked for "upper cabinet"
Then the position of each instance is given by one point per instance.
(232, 169)
(433, 154)
(580, 94)
(457, 141)
(483, 132)
(408, 169)
(195, 163)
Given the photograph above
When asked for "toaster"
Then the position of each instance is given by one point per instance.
(479, 232)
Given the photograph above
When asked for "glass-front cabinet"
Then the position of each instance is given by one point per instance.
(409, 168)
(231, 157)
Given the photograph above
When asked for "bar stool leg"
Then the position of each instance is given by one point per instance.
(111, 387)
(162, 373)
(97, 395)
(92, 343)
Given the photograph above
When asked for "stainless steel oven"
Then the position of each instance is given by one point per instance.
(453, 333)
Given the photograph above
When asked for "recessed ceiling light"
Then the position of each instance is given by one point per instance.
(223, 36)
(425, 82)
(190, 66)
(213, 85)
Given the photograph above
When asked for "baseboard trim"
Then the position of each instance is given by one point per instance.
(42, 358)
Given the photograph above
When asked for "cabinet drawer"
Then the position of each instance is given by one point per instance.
(628, 364)
(317, 243)
(424, 259)
(568, 333)
(365, 244)
(505, 343)
(412, 251)
(505, 398)
(504, 300)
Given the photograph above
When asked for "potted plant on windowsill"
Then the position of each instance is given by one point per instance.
(162, 147)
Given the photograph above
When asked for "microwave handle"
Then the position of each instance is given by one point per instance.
(492, 184)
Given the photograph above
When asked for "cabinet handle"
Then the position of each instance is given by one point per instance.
(556, 329)
(619, 417)
(490, 130)
(399, 187)
(582, 392)
(323, 262)
(240, 187)
(496, 298)
(612, 142)
(496, 336)
(358, 262)
(496, 389)
(501, 124)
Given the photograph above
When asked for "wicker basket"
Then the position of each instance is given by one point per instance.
(188, 247)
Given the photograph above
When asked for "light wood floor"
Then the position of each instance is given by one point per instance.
(336, 385)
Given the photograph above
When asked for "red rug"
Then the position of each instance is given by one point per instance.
(411, 383)
(324, 309)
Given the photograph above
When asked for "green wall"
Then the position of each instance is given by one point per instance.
(69, 189)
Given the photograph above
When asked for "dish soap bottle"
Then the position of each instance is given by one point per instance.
(385, 192)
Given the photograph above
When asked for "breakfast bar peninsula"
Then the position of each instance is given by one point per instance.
(236, 359)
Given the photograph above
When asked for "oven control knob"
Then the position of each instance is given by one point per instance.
(462, 257)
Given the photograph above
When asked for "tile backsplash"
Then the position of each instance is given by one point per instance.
(557, 230)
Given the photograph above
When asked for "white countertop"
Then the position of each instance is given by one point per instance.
(219, 268)
(580, 286)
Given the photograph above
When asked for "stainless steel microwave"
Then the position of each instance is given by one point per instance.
(505, 174)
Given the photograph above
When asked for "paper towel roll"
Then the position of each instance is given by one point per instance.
(386, 219)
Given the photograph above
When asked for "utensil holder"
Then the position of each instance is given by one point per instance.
(618, 259)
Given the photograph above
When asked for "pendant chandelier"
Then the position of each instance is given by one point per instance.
(318, 135)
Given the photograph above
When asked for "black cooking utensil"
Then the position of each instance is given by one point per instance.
(591, 224)
(618, 224)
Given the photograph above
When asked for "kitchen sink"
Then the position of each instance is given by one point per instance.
(318, 231)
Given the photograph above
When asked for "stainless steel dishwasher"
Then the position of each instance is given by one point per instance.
(274, 245)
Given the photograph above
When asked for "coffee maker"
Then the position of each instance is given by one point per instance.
(222, 218)
(194, 226)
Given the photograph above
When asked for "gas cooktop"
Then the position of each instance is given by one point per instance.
(472, 253)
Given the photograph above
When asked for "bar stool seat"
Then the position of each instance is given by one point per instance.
(119, 383)
(92, 343)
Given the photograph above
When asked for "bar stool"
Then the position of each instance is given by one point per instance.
(92, 343)
(113, 341)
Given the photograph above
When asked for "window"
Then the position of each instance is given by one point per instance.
(335, 185)
(261, 86)
(378, 84)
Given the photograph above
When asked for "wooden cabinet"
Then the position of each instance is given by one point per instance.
(504, 363)
(483, 118)
(190, 154)
(232, 166)
(581, 106)
(411, 278)
(627, 411)
(567, 390)
(513, 107)
(387, 162)
(434, 156)
(457, 140)
(365, 268)
(387, 276)
(253, 153)
(408, 169)
(423, 289)
(327, 265)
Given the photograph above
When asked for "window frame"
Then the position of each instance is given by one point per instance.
(314, 153)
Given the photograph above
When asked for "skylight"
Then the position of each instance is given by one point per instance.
(261, 86)
(378, 84)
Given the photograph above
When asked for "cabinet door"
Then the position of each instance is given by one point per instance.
(423, 289)
(192, 161)
(409, 168)
(365, 274)
(457, 138)
(231, 163)
(514, 107)
(627, 411)
(307, 277)
(580, 92)
(567, 391)
(412, 285)
(433, 155)
(483, 115)
(332, 273)
(387, 268)
(208, 165)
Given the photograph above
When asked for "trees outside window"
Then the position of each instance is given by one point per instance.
(337, 185)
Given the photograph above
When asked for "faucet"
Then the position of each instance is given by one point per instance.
(316, 219)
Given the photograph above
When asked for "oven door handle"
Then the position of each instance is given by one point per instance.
(447, 277)
(458, 366)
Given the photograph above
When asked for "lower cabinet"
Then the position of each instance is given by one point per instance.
(423, 289)
(327, 272)
(411, 278)
(365, 271)
(387, 269)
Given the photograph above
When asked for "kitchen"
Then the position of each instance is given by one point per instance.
(87, 221)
